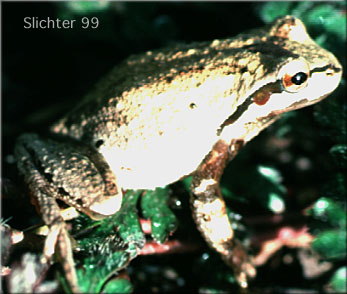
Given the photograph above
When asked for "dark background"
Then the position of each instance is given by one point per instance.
(46, 72)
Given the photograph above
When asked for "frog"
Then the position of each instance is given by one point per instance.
(161, 116)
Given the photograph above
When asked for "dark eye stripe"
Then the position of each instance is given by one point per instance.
(325, 68)
(269, 89)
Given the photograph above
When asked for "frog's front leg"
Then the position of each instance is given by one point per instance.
(43, 195)
(74, 173)
(209, 211)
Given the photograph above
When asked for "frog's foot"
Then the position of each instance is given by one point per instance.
(50, 243)
(58, 238)
(237, 258)
(210, 215)
(213, 222)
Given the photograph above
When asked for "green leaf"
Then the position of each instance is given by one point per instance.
(266, 189)
(271, 182)
(339, 154)
(276, 203)
(118, 286)
(86, 7)
(328, 18)
(154, 206)
(187, 182)
(110, 245)
(270, 174)
(331, 244)
(272, 10)
(338, 281)
(98, 268)
(128, 223)
(331, 115)
(335, 188)
(328, 210)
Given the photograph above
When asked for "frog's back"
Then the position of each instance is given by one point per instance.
(151, 112)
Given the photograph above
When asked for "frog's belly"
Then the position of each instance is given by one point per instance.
(158, 165)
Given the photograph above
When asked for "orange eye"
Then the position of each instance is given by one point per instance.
(294, 75)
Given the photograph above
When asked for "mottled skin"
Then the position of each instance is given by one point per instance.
(163, 115)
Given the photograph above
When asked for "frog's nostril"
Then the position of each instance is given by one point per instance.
(331, 70)
(99, 143)
(192, 105)
(79, 202)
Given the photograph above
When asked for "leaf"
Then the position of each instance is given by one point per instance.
(272, 10)
(110, 245)
(118, 286)
(328, 210)
(128, 223)
(155, 207)
(339, 154)
(98, 268)
(338, 281)
(331, 244)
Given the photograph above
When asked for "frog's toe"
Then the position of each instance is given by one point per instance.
(246, 273)
(58, 238)
(241, 263)
(50, 242)
(64, 247)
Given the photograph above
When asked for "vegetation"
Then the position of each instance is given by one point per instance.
(285, 190)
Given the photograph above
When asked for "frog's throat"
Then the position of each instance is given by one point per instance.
(242, 108)
(106, 207)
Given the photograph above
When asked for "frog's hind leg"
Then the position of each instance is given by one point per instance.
(210, 215)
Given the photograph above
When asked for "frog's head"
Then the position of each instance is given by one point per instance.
(293, 72)
(299, 82)
(309, 75)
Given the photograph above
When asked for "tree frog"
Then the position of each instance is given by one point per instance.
(163, 115)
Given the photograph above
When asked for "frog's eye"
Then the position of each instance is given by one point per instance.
(294, 75)
(299, 78)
